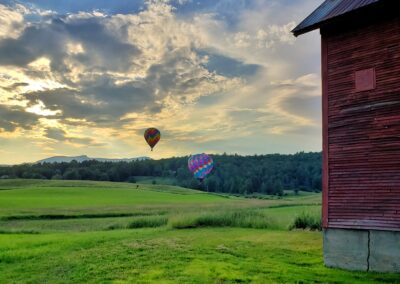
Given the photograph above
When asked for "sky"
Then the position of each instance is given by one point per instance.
(89, 76)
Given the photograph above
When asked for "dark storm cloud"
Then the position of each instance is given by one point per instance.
(169, 77)
(13, 117)
(97, 97)
(166, 74)
(12, 53)
(56, 134)
(229, 67)
(103, 47)
(14, 86)
(103, 93)
(105, 51)
(35, 41)
(61, 99)
(120, 99)
(61, 135)
(102, 103)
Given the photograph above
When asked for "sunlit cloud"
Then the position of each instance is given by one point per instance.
(11, 22)
(40, 109)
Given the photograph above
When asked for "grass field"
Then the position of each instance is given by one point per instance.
(100, 232)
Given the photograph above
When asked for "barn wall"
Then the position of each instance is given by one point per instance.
(362, 128)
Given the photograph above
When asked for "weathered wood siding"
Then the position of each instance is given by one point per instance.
(362, 128)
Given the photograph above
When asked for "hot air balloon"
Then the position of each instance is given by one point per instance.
(200, 165)
(152, 136)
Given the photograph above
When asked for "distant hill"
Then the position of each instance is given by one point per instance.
(80, 159)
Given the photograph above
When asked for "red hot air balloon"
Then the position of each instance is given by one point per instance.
(152, 136)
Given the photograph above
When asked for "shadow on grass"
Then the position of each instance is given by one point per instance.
(80, 216)
(29, 232)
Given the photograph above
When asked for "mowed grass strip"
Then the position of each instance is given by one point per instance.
(81, 225)
(32, 199)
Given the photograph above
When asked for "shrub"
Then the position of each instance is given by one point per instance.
(307, 221)
(57, 177)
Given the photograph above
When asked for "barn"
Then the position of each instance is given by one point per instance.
(360, 52)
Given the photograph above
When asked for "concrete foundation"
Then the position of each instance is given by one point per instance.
(384, 251)
(346, 249)
(365, 250)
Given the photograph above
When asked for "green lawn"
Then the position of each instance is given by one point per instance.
(77, 196)
(93, 232)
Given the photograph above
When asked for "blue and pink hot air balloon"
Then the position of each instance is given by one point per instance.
(200, 165)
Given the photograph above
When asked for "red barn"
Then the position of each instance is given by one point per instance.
(360, 41)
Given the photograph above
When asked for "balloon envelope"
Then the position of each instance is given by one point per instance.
(200, 165)
(152, 136)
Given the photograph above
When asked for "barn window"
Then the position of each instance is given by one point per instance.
(365, 80)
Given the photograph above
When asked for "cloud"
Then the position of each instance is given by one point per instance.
(227, 66)
(11, 22)
(114, 65)
(208, 74)
(303, 105)
(13, 117)
(53, 40)
(15, 86)
(56, 134)
(60, 135)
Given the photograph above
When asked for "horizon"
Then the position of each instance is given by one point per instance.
(212, 76)
(147, 157)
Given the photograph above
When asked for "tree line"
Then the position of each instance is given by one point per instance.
(235, 174)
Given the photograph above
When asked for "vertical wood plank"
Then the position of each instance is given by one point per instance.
(325, 139)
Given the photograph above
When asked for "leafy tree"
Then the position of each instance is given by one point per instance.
(71, 174)
(266, 174)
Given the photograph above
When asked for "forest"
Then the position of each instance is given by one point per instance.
(234, 174)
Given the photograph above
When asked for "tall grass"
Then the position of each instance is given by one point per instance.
(148, 222)
(243, 219)
(141, 222)
(307, 221)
